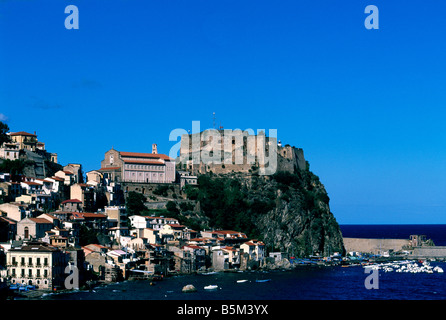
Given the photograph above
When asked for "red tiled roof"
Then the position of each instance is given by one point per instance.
(68, 172)
(49, 215)
(32, 183)
(71, 201)
(258, 243)
(110, 168)
(76, 215)
(230, 232)
(143, 162)
(193, 247)
(93, 215)
(176, 225)
(82, 184)
(40, 220)
(144, 155)
(57, 178)
(22, 133)
(8, 220)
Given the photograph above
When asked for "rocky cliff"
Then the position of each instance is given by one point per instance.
(289, 211)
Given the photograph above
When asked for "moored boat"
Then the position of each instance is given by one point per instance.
(211, 287)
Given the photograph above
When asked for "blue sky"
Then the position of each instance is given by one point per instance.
(367, 106)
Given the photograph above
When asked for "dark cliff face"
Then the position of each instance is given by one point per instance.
(289, 212)
(301, 222)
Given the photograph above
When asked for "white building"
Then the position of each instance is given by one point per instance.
(10, 150)
(36, 264)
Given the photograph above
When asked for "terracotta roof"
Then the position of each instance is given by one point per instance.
(110, 168)
(193, 247)
(77, 215)
(57, 178)
(144, 155)
(143, 162)
(49, 215)
(82, 184)
(36, 247)
(230, 232)
(32, 183)
(258, 243)
(71, 201)
(68, 172)
(8, 220)
(176, 225)
(93, 215)
(40, 220)
(22, 133)
(229, 249)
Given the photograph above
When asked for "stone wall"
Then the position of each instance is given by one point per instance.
(429, 252)
(375, 246)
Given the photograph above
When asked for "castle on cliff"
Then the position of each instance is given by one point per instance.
(225, 151)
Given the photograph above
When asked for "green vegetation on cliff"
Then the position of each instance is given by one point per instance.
(289, 211)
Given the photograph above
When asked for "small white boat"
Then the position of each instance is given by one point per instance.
(209, 273)
(241, 281)
(211, 287)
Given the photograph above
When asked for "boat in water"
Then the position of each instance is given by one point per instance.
(209, 273)
(211, 287)
(263, 280)
(241, 281)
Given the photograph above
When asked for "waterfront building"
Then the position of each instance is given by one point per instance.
(198, 255)
(36, 263)
(255, 249)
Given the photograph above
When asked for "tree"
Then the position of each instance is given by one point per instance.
(87, 236)
(172, 207)
(135, 203)
(13, 167)
(3, 130)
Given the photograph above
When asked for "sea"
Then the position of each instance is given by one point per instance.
(318, 283)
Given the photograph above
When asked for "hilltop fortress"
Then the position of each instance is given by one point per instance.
(225, 151)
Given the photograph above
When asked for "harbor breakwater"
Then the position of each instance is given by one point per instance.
(374, 246)
(380, 246)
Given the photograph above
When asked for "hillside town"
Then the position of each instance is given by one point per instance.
(53, 220)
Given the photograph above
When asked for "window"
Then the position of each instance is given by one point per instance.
(45, 274)
(38, 261)
(22, 261)
(45, 261)
(30, 261)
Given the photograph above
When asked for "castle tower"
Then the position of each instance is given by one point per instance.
(154, 148)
